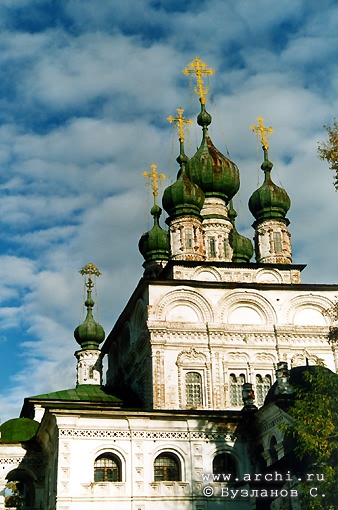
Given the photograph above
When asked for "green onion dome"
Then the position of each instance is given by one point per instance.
(154, 245)
(183, 197)
(215, 174)
(241, 245)
(269, 201)
(90, 333)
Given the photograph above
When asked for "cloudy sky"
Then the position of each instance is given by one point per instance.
(85, 90)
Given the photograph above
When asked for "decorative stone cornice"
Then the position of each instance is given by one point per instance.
(191, 357)
(249, 299)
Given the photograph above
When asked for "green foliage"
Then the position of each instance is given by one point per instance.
(328, 151)
(332, 312)
(315, 430)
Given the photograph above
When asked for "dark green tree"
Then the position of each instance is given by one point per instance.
(328, 151)
(315, 431)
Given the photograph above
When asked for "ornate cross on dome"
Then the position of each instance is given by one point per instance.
(262, 132)
(89, 270)
(179, 123)
(199, 68)
(154, 177)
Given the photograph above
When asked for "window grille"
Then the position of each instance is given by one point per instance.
(224, 463)
(277, 241)
(188, 238)
(236, 384)
(262, 387)
(193, 389)
(107, 468)
(225, 246)
(212, 247)
(166, 468)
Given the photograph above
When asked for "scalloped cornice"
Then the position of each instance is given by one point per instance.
(188, 298)
(251, 300)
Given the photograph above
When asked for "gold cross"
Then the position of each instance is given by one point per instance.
(199, 68)
(179, 123)
(154, 177)
(90, 270)
(262, 132)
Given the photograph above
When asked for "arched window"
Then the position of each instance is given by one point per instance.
(188, 237)
(107, 468)
(277, 241)
(226, 248)
(167, 468)
(193, 389)
(224, 463)
(19, 491)
(262, 387)
(273, 451)
(212, 247)
(236, 384)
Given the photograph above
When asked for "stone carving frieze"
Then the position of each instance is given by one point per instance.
(140, 434)
(11, 460)
(225, 274)
(265, 358)
(237, 357)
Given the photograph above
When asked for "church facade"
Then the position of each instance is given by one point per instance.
(190, 359)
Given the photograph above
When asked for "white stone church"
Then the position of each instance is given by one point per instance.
(190, 359)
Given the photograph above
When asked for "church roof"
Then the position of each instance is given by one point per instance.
(83, 395)
(83, 392)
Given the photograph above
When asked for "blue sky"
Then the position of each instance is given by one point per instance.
(85, 90)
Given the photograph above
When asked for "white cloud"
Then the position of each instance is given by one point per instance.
(95, 66)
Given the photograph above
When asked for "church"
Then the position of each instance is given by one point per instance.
(215, 325)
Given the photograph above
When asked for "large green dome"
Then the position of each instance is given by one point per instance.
(210, 169)
(269, 201)
(154, 245)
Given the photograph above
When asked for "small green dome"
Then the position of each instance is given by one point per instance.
(183, 197)
(241, 245)
(18, 430)
(269, 201)
(210, 169)
(154, 245)
(89, 334)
